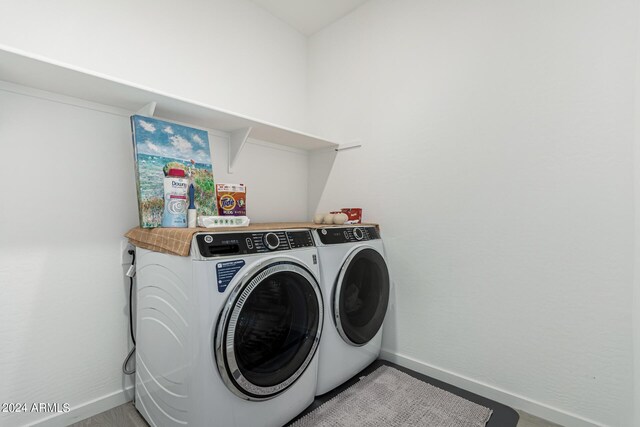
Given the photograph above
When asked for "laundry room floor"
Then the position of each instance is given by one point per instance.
(503, 416)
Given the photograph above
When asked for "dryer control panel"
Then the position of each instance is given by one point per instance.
(225, 244)
(331, 236)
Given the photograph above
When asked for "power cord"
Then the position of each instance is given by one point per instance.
(133, 262)
(133, 338)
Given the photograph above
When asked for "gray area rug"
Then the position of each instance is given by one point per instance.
(388, 397)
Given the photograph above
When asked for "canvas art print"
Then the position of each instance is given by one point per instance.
(160, 146)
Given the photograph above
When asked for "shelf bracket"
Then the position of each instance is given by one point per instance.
(147, 110)
(342, 147)
(236, 141)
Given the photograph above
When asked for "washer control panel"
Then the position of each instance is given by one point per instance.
(331, 236)
(225, 244)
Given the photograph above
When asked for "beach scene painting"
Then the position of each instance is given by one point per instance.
(159, 146)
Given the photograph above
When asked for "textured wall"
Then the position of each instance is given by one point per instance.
(69, 197)
(70, 180)
(498, 157)
(226, 53)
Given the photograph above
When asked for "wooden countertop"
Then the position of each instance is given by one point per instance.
(177, 241)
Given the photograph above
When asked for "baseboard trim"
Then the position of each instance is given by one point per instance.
(516, 401)
(564, 418)
(88, 409)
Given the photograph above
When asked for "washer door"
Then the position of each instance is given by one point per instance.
(269, 330)
(361, 296)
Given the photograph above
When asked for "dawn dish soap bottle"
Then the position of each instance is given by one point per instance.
(175, 199)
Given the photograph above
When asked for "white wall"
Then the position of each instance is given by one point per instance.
(636, 282)
(498, 158)
(63, 310)
(227, 53)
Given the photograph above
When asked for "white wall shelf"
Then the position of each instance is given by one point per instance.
(45, 74)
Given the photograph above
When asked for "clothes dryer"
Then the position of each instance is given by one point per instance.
(355, 281)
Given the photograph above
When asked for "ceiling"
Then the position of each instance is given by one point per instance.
(309, 16)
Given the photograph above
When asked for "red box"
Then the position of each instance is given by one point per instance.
(354, 215)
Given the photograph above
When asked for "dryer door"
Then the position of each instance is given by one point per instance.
(361, 296)
(269, 330)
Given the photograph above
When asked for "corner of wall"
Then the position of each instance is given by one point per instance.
(636, 252)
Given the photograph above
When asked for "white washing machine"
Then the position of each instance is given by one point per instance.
(355, 281)
(228, 336)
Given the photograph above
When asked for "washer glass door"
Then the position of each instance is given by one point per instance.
(361, 296)
(269, 330)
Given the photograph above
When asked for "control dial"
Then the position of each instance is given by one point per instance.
(271, 241)
(358, 234)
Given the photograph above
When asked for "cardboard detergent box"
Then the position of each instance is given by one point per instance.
(354, 215)
(232, 199)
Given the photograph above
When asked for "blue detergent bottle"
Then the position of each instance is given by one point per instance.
(175, 199)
